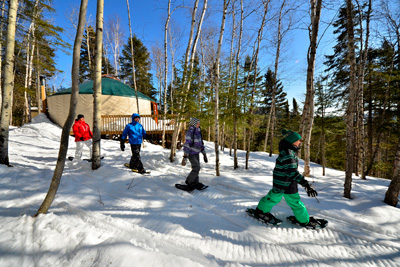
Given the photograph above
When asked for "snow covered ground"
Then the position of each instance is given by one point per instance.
(96, 220)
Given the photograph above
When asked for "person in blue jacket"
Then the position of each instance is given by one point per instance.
(135, 133)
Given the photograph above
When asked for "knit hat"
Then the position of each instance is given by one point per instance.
(194, 122)
(290, 136)
(80, 116)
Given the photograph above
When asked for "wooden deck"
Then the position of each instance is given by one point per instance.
(115, 124)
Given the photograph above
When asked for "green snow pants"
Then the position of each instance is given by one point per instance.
(293, 200)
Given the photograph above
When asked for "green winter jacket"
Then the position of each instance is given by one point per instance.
(285, 175)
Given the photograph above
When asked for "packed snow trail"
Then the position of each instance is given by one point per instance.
(95, 220)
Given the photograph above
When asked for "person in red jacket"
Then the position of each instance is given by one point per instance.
(83, 136)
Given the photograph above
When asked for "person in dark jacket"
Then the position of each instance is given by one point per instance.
(135, 132)
(285, 180)
(192, 148)
(83, 136)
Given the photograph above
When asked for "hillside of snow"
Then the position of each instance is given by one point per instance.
(114, 217)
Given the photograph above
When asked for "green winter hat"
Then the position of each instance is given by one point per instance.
(290, 136)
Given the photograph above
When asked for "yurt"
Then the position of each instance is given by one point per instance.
(117, 99)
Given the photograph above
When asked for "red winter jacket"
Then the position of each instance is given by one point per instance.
(81, 129)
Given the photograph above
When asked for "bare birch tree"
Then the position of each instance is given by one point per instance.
(187, 72)
(8, 82)
(216, 64)
(235, 101)
(96, 148)
(360, 134)
(114, 36)
(30, 50)
(350, 111)
(133, 57)
(253, 92)
(165, 84)
(165, 72)
(55, 182)
(281, 32)
(307, 118)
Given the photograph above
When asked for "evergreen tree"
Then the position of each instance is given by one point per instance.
(337, 64)
(86, 67)
(144, 79)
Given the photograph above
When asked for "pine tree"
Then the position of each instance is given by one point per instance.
(86, 68)
(280, 103)
(144, 79)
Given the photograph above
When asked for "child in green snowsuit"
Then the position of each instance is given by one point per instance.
(285, 180)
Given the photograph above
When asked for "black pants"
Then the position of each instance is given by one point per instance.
(135, 162)
(193, 177)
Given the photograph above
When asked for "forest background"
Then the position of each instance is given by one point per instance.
(246, 77)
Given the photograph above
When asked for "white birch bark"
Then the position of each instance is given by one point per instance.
(96, 147)
(30, 50)
(308, 111)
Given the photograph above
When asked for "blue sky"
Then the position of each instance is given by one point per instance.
(148, 17)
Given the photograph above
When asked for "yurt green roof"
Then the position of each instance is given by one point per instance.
(109, 86)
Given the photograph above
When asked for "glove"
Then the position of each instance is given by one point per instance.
(183, 161)
(310, 190)
(122, 145)
(205, 158)
(81, 139)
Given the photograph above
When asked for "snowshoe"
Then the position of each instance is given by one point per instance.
(267, 218)
(200, 186)
(141, 172)
(185, 187)
(137, 171)
(313, 224)
(90, 160)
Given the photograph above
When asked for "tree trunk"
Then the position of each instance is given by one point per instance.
(1, 49)
(38, 90)
(217, 63)
(8, 81)
(236, 111)
(187, 73)
(133, 58)
(251, 111)
(165, 72)
(271, 119)
(97, 90)
(30, 50)
(308, 113)
(350, 112)
(392, 194)
(55, 182)
(360, 101)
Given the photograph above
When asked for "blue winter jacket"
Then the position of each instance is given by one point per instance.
(134, 131)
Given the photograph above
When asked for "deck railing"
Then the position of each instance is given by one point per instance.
(115, 124)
